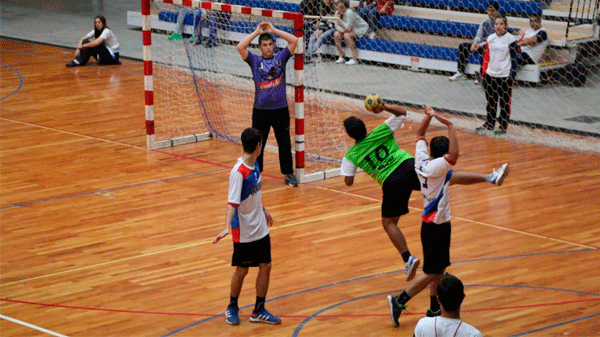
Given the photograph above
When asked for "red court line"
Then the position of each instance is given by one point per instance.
(287, 316)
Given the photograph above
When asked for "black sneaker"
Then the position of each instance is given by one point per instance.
(72, 64)
(291, 180)
(484, 127)
(433, 313)
(500, 131)
(395, 309)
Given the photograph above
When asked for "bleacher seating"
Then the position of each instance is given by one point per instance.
(442, 27)
(506, 6)
(434, 57)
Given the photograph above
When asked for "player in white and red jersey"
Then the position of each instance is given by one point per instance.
(247, 220)
(434, 170)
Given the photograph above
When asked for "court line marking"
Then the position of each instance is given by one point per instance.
(31, 326)
(19, 76)
(43, 145)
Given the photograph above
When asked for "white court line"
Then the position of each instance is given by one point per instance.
(32, 326)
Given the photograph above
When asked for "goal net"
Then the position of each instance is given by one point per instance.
(202, 88)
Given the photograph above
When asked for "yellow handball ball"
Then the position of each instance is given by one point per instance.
(373, 101)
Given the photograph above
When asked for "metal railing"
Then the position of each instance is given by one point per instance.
(582, 12)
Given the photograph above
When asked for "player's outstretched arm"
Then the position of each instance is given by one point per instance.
(397, 110)
(429, 113)
(453, 151)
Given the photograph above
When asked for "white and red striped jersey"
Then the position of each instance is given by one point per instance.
(249, 222)
(434, 175)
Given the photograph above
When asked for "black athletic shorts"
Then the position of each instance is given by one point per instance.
(397, 189)
(251, 254)
(435, 239)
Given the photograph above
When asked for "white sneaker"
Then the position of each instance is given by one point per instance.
(351, 62)
(371, 35)
(458, 77)
(497, 176)
(411, 267)
(340, 60)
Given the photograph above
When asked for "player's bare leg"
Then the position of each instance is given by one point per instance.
(390, 225)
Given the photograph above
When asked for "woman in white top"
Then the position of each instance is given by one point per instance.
(499, 70)
(100, 43)
(351, 27)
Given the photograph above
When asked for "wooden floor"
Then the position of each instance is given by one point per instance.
(100, 237)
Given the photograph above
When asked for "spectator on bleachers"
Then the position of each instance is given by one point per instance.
(322, 30)
(499, 69)
(100, 43)
(371, 10)
(349, 26)
(486, 28)
(534, 42)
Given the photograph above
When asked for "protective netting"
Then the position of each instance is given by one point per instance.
(407, 57)
(201, 84)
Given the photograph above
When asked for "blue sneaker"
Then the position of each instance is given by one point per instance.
(232, 315)
(411, 267)
(264, 316)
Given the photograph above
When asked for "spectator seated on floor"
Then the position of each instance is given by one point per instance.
(534, 42)
(349, 26)
(100, 43)
(371, 10)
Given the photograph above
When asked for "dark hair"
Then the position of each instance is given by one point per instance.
(264, 37)
(346, 3)
(502, 17)
(355, 128)
(494, 4)
(439, 146)
(451, 292)
(96, 31)
(535, 15)
(250, 139)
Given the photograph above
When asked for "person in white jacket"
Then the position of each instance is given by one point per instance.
(100, 43)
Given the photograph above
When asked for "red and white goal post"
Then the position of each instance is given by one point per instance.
(201, 89)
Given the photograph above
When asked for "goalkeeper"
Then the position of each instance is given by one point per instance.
(270, 101)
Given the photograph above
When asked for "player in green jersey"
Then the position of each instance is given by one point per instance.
(378, 154)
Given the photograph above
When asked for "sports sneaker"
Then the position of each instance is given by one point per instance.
(264, 316)
(500, 131)
(232, 315)
(340, 60)
(351, 62)
(458, 77)
(395, 309)
(478, 78)
(497, 176)
(411, 267)
(430, 313)
(291, 180)
(72, 64)
(175, 36)
(484, 127)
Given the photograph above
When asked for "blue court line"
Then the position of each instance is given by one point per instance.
(29, 203)
(306, 320)
(398, 271)
(16, 71)
(556, 325)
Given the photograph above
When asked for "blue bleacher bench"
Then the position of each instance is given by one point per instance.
(507, 6)
(447, 28)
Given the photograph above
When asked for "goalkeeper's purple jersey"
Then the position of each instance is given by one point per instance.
(269, 79)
